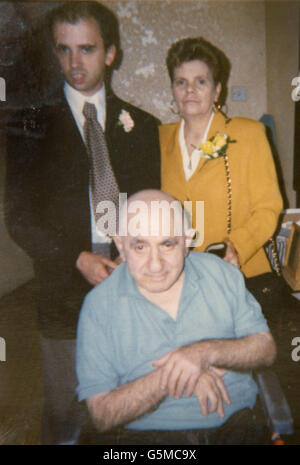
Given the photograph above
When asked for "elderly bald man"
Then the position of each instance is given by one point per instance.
(167, 342)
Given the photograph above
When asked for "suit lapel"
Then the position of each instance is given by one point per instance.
(116, 148)
(122, 146)
(68, 126)
(68, 149)
(113, 110)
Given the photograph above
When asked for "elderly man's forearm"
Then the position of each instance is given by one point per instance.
(245, 353)
(126, 403)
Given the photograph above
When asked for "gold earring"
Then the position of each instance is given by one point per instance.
(173, 109)
(223, 109)
(217, 106)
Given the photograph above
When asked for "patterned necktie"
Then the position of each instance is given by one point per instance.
(102, 179)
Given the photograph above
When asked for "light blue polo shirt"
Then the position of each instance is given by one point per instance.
(121, 333)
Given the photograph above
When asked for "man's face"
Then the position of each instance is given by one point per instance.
(156, 262)
(80, 51)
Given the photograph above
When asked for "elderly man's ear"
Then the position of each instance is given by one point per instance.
(189, 236)
(119, 245)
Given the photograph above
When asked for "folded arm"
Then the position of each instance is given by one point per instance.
(126, 403)
(182, 367)
(245, 353)
(192, 369)
(136, 398)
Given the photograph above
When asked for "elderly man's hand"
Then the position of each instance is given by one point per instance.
(95, 268)
(211, 392)
(182, 368)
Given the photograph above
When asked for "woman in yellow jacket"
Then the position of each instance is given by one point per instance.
(227, 163)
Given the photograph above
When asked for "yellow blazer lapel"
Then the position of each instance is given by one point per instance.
(178, 156)
(218, 124)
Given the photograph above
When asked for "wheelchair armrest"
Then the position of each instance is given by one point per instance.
(274, 402)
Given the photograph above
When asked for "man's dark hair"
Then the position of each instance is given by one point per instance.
(72, 12)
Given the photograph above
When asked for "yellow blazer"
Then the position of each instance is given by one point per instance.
(256, 199)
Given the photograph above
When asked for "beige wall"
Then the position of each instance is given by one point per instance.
(149, 27)
(260, 39)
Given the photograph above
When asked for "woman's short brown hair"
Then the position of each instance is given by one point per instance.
(198, 48)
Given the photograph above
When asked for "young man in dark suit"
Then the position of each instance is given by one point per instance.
(48, 195)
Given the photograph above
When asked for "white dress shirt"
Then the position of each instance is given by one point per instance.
(76, 102)
(190, 163)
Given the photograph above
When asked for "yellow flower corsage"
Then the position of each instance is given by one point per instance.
(216, 146)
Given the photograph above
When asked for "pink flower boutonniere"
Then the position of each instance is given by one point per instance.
(126, 121)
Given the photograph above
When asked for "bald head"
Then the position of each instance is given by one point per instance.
(152, 212)
(150, 194)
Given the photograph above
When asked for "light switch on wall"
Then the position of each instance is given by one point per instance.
(238, 93)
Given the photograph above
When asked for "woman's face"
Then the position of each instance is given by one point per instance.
(194, 89)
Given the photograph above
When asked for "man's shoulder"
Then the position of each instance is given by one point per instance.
(107, 291)
(248, 126)
(211, 266)
(202, 259)
(168, 130)
(33, 120)
(28, 121)
(168, 127)
(136, 113)
(104, 304)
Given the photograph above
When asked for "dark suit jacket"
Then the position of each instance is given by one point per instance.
(47, 195)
